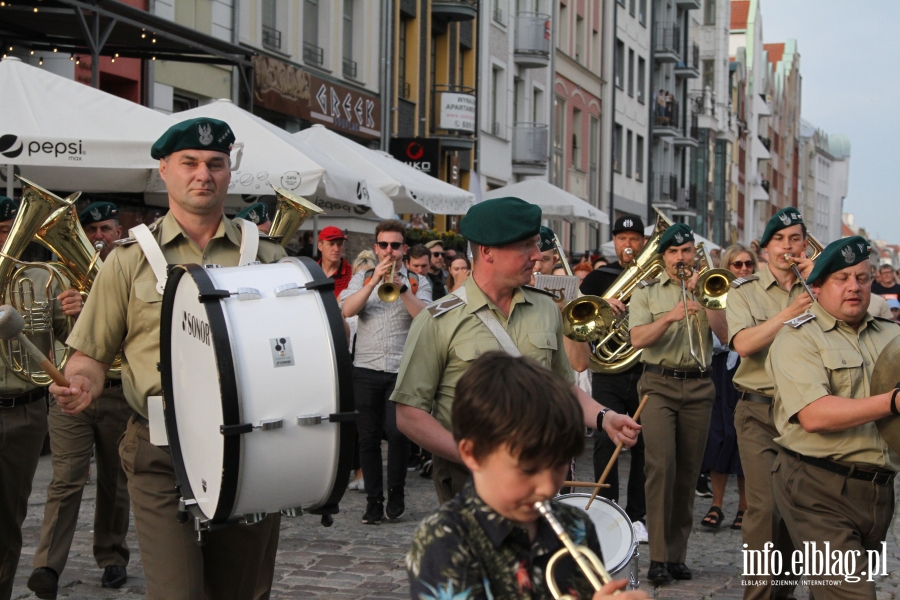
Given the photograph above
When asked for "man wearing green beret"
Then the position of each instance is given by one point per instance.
(677, 377)
(73, 439)
(258, 214)
(493, 310)
(758, 307)
(548, 252)
(834, 477)
(123, 310)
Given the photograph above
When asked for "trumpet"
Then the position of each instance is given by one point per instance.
(389, 291)
(699, 357)
(589, 563)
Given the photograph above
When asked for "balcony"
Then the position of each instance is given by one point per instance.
(349, 69)
(404, 89)
(689, 68)
(688, 138)
(666, 119)
(667, 42)
(666, 186)
(271, 38)
(313, 55)
(454, 10)
(453, 116)
(530, 147)
(532, 46)
(688, 4)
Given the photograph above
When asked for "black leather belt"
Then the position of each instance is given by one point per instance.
(762, 399)
(676, 374)
(111, 383)
(23, 399)
(881, 476)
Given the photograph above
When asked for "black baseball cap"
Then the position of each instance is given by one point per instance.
(628, 223)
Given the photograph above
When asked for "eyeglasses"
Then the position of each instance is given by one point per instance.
(393, 245)
(742, 263)
(437, 254)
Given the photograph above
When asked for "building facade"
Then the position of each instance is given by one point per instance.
(824, 167)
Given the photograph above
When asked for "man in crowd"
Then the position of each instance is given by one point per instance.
(491, 311)
(437, 274)
(381, 335)
(886, 286)
(619, 390)
(23, 423)
(73, 439)
(331, 258)
(258, 214)
(834, 477)
(418, 261)
(123, 311)
(545, 263)
(758, 307)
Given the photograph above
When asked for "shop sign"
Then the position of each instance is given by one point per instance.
(456, 112)
(421, 154)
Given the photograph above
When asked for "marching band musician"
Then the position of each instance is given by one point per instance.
(676, 418)
(619, 390)
(124, 307)
(23, 423)
(73, 438)
(495, 311)
(834, 477)
(758, 307)
(258, 214)
(547, 261)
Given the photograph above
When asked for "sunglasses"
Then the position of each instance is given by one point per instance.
(393, 245)
(437, 254)
(742, 263)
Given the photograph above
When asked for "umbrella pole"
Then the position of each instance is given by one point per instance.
(10, 169)
(315, 230)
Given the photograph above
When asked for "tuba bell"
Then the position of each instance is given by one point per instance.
(585, 318)
(291, 211)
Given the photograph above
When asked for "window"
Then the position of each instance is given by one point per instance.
(271, 37)
(642, 12)
(617, 149)
(594, 160)
(622, 2)
(403, 85)
(577, 140)
(496, 99)
(620, 64)
(709, 12)
(559, 135)
(461, 63)
(631, 4)
(639, 158)
(349, 63)
(537, 106)
(563, 41)
(641, 79)
(312, 53)
(580, 39)
(181, 103)
(631, 72)
(709, 73)
(628, 152)
(518, 99)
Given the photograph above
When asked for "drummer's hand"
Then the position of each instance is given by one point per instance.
(617, 306)
(71, 303)
(75, 398)
(610, 588)
(621, 428)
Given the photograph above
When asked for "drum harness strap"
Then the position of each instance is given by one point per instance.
(487, 317)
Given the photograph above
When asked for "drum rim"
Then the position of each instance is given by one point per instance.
(231, 444)
(634, 543)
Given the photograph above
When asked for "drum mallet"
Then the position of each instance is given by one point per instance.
(11, 326)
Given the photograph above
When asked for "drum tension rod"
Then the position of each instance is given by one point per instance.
(293, 289)
(267, 425)
(242, 293)
(344, 417)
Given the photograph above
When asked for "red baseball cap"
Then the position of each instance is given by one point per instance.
(331, 233)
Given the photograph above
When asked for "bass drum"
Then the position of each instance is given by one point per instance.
(616, 533)
(258, 401)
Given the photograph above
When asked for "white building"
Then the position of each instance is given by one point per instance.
(825, 171)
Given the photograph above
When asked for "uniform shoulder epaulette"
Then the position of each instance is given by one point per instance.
(742, 280)
(446, 304)
(800, 321)
(648, 282)
(540, 291)
(885, 320)
(130, 240)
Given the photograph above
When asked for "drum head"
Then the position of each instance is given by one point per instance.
(613, 528)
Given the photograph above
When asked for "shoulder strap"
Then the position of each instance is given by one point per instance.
(487, 317)
(153, 253)
(249, 241)
(413, 282)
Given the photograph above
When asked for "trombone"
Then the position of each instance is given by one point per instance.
(388, 291)
(585, 318)
(815, 250)
(699, 358)
(713, 284)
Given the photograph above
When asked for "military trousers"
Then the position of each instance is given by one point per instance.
(675, 425)
(851, 515)
(72, 439)
(238, 562)
(22, 432)
(756, 435)
(449, 477)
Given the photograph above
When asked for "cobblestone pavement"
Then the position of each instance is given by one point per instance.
(351, 560)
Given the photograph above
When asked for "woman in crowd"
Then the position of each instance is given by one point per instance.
(364, 261)
(459, 272)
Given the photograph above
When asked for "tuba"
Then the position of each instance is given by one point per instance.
(291, 211)
(585, 318)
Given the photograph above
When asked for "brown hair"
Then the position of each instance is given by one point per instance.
(514, 401)
(417, 251)
(392, 225)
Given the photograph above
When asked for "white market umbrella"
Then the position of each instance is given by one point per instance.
(65, 135)
(411, 190)
(608, 249)
(555, 203)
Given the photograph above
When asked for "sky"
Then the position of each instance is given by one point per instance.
(848, 53)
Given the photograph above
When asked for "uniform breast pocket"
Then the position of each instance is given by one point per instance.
(469, 351)
(658, 309)
(543, 344)
(148, 307)
(761, 314)
(843, 370)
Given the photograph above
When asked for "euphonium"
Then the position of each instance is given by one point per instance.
(291, 211)
(585, 318)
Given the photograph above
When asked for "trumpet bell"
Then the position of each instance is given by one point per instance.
(712, 288)
(587, 319)
(388, 292)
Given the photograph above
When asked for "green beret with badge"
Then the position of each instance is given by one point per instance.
(675, 235)
(784, 218)
(8, 209)
(838, 255)
(255, 213)
(202, 133)
(547, 236)
(501, 221)
(98, 211)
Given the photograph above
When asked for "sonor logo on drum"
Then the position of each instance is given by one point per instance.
(195, 327)
(282, 351)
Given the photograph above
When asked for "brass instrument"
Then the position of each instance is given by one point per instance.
(589, 563)
(700, 358)
(712, 284)
(585, 318)
(291, 211)
(389, 291)
(813, 250)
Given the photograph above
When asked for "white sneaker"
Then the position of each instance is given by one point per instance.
(640, 532)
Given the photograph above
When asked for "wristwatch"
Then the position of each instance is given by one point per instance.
(600, 416)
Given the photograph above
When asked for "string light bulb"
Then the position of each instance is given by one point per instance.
(41, 62)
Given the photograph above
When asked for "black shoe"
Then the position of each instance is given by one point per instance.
(425, 470)
(703, 486)
(395, 503)
(44, 582)
(114, 577)
(657, 573)
(374, 513)
(679, 570)
(414, 462)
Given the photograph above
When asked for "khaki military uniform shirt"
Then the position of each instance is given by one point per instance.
(649, 304)
(750, 304)
(123, 309)
(825, 357)
(442, 345)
